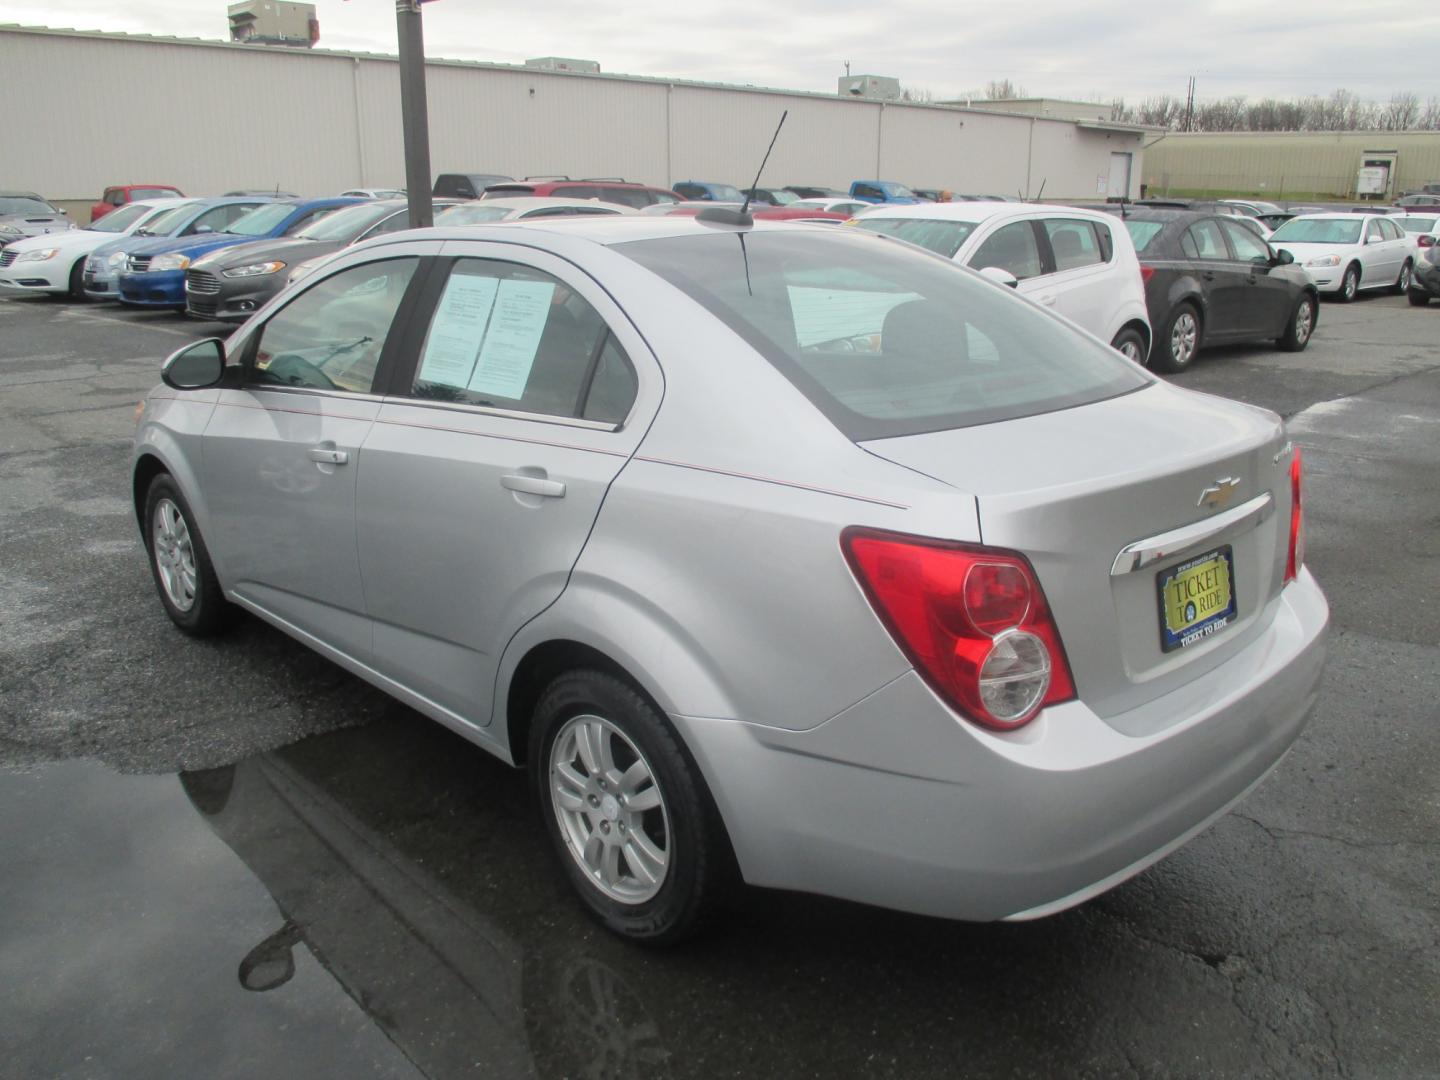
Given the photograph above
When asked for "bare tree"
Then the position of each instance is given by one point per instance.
(1003, 89)
(1401, 113)
(920, 95)
(1430, 115)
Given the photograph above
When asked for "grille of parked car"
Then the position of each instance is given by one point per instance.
(138, 264)
(201, 281)
(8, 257)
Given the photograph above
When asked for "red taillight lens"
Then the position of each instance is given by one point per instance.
(1146, 272)
(973, 620)
(1296, 556)
(1425, 240)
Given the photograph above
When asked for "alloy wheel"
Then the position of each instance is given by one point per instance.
(1304, 322)
(610, 809)
(1183, 336)
(174, 554)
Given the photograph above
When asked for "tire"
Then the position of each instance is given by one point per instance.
(1418, 299)
(1349, 284)
(180, 563)
(1402, 283)
(1301, 325)
(583, 720)
(1131, 343)
(77, 281)
(1179, 340)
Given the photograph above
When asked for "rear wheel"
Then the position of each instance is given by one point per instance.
(77, 281)
(1402, 283)
(1349, 284)
(1179, 340)
(1301, 325)
(1131, 343)
(1418, 299)
(628, 814)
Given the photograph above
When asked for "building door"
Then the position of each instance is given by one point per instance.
(1120, 175)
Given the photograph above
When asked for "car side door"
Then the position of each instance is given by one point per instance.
(526, 392)
(1224, 281)
(1080, 281)
(281, 448)
(1269, 297)
(1015, 248)
(1377, 256)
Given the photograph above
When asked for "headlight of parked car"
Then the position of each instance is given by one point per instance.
(255, 269)
(115, 260)
(38, 255)
(170, 262)
(9, 230)
(1324, 260)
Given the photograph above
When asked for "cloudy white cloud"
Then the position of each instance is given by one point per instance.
(1051, 47)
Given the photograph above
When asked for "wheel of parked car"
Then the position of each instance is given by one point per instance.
(1179, 340)
(77, 281)
(1301, 325)
(1350, 285)
(1418, 299)
(631, 820)
(1402, 283)
(1131, 343)
(186, 581)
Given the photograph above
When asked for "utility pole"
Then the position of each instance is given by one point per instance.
(1190, 106)
(414, 115)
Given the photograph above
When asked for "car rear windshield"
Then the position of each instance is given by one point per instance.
(941, 237)
(1419, 224)
(1142, 232)
(883, 339)
(262, 220)
(474, 214)
(346, 222)
(119, 220)
(1318, 231)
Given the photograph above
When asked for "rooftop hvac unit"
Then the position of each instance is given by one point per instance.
(274, 22)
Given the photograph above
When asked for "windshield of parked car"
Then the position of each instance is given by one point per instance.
(898, 190)
(883, 339)
(474, 214)
(119, 220)
(784, 198)
(263, 220)
(1142, 232)
(165, 223)
(940, 236)
(1318, 231)
(345, 223)
(26, 206)
(1419, 224)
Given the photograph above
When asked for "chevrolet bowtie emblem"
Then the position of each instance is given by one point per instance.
(1218, 494)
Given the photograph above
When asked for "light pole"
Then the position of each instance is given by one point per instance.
(414, 116)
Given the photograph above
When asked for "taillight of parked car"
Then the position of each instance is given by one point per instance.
(1296, 556)
(1146, 272)
(972, 619)
(1425, 240)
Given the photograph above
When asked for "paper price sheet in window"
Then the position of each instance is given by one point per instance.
(486, 333)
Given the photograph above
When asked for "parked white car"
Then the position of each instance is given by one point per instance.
(1079, 263)
(1423, 230)
(851, 207)
(55, 262)
(1345, 253)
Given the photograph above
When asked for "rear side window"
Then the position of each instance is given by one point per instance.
(691, 191)
(455, 185)
(511, 337)
(941, 237)
(869, 191)
(1073, 242)
(330, 336)
(1142, 232)
(1205, 241)
(1011, 247)
(882, 339)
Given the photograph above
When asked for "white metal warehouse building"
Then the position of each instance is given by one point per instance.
(84, 110)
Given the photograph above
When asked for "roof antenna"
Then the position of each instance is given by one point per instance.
(723, 215)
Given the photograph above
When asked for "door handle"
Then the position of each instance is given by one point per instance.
(329, 456)
(1048, 300)
(1208, 275)
(533, 485)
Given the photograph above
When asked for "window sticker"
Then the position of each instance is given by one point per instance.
(521, 311)
(458, 329)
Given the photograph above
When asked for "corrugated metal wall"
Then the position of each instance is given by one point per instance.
(86, 110)
(1322, 163)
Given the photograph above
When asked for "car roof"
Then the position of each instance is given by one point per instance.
(603, 229)
(535, 202)
(977, 212)
(21, 195)
(1337, 215)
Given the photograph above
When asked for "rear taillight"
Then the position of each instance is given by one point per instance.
(1295, 558)
(973, 620)
(1146, 272)
(1425, 240)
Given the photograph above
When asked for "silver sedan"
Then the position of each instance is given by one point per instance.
(790, 555)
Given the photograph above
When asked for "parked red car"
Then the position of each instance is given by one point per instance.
(618, 191)
(121, 194)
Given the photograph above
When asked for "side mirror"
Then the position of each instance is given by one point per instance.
(63, 210)
(195, 367)
(1282, 258)
(1000, 276)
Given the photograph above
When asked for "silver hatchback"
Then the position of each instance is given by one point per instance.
(778, 553)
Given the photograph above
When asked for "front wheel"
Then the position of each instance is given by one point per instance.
(1418, 299)
(1179, 340)
(189, 590)
(1402, 283)
(1349, 284)
(1301, 325)
(1131, 344)
(77, 281)
(629, 816)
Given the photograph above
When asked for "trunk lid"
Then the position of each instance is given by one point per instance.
(1071, 489)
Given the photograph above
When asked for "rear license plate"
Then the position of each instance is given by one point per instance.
(1197, 599)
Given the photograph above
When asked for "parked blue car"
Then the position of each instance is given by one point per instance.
(190, 218)
(882, 191)
(154, 271)
(708, 192)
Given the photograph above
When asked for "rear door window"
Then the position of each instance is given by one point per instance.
(1206, 242)
(1011, 247)
(1073, 242)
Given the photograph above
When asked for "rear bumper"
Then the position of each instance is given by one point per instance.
(160, 288)
(897, 803)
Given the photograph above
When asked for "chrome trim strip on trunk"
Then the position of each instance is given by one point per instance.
(1145, 553)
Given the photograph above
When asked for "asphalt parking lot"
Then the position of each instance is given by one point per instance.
(231, 858)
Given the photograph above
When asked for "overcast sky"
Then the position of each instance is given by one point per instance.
(1050, 47)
